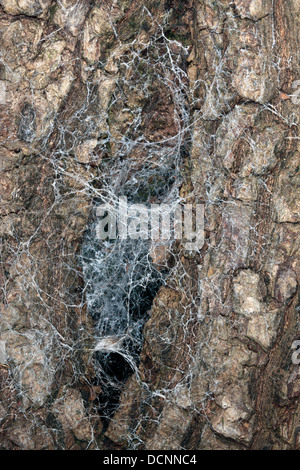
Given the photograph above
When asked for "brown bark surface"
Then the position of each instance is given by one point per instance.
(213, 85)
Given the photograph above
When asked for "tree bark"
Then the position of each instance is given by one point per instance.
(216, 83)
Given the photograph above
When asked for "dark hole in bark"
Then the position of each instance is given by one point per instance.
(115, 372)
(114, 369)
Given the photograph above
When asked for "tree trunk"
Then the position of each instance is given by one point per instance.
(149, 99)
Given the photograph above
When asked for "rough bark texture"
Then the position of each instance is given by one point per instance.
(216, 369)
